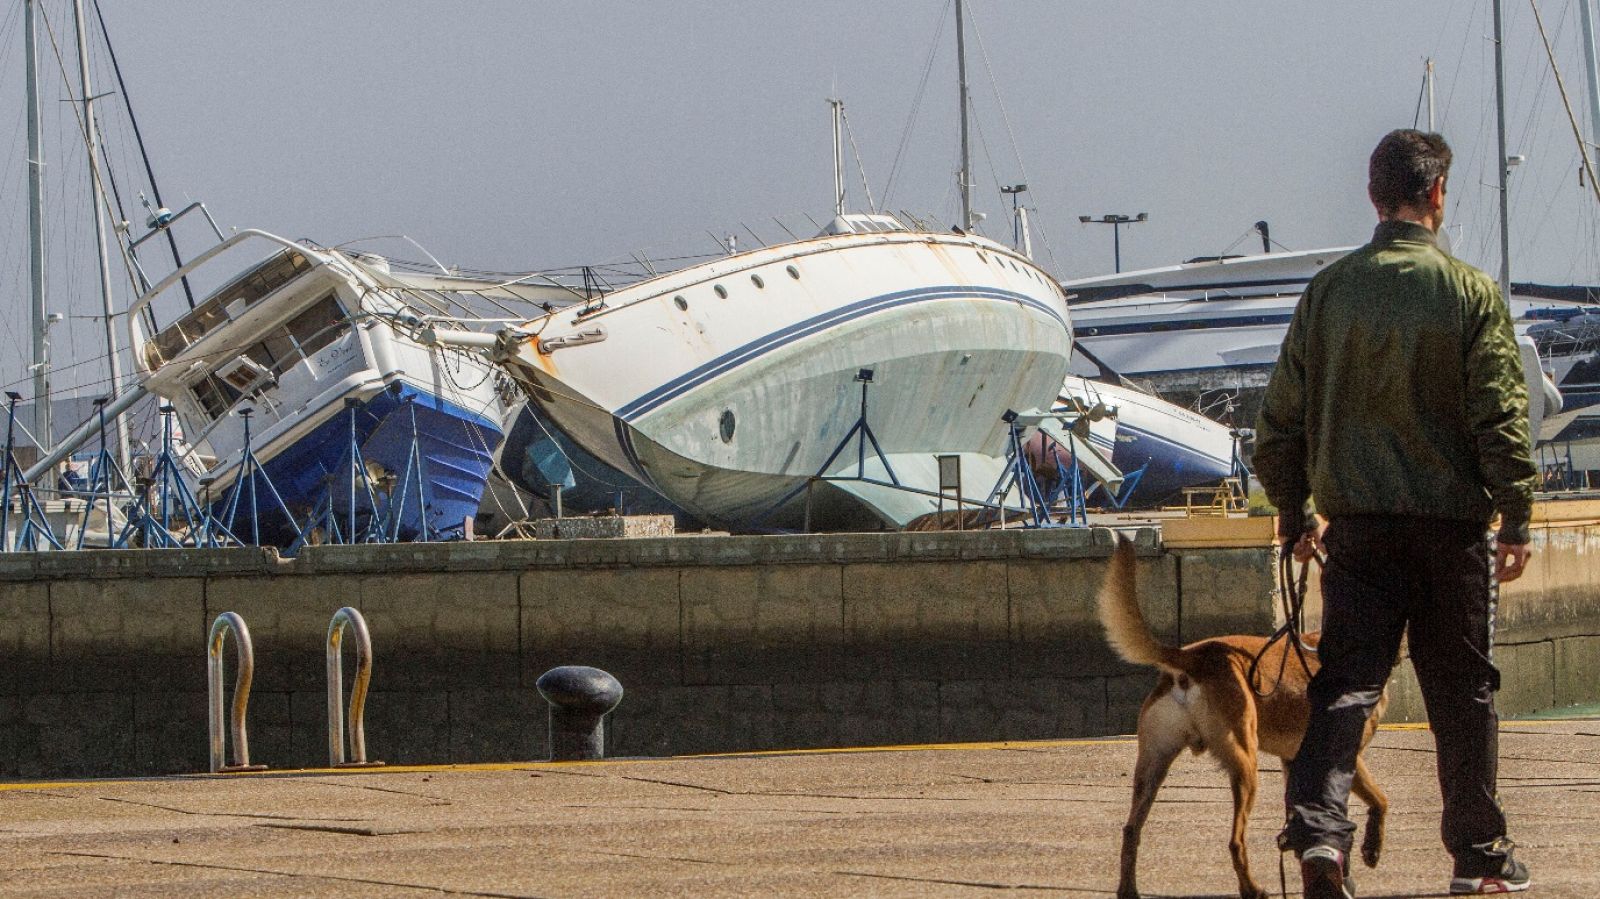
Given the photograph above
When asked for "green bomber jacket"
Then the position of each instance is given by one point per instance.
(1399, 391)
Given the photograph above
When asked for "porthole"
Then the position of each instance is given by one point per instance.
(793, 272)
(981, 257)
(680, 302)
(721, 291)
(756, 280)
(725, 425)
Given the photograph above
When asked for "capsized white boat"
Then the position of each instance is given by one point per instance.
(729, 385)
(323, 356)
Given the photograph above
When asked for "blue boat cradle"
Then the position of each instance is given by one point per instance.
(402, 466)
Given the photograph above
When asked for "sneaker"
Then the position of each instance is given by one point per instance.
(1511, 878)
(1324, 874)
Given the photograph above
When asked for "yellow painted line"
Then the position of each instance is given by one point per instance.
(490, 767)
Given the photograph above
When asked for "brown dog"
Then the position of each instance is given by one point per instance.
(1204, 702)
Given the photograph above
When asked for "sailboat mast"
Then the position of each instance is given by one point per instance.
(838, 156)
(1500, 129)
(969, 219)
(1427, 75)
(98, 193)
(1586, 14)
(41, 324)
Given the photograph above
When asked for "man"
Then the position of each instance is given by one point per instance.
(1398, 404)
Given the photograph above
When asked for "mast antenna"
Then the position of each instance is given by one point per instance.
(969, 218)
(838, 155)
(41, 323)
(107, 301)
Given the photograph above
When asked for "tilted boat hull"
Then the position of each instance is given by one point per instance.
(726, 387)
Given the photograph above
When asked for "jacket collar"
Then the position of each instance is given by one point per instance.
(1392, 231)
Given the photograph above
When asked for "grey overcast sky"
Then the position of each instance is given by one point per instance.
(517, 135)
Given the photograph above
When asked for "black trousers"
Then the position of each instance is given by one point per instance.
(1429, 579)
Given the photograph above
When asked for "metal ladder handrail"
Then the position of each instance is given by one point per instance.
(350, 617)
(220, 628)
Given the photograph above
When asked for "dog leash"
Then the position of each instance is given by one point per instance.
(1292, 596)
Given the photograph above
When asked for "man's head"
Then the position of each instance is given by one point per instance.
(1406, 177)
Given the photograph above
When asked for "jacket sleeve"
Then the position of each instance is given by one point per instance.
(1281, 456)
(1497, 413)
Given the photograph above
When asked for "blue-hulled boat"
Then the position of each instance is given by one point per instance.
(309, 405)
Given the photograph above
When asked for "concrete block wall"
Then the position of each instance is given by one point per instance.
(722, 644)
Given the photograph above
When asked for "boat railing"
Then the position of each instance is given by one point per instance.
(136, 333)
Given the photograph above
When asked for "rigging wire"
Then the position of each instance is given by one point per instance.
(149, 170)
(1577, 133)
(1011, 135)
(856, 151)
(916, 104)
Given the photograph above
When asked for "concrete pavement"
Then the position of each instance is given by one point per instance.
(1032, 818)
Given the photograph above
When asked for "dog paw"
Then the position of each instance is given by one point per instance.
(1127, 893)
(1253, 893)
(1369, 854)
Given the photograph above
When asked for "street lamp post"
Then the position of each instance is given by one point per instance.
(1116, 222)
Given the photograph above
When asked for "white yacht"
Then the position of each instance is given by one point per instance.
(844, 363)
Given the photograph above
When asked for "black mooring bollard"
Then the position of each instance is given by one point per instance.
(580, 697)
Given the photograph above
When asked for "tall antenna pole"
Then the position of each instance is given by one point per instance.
(98, 193)
(1427, 75)
(969, 219)
(1586, 13)
(1502, 163)
(838, 156)
(41, 323)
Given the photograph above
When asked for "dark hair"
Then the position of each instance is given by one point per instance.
(1404, 166)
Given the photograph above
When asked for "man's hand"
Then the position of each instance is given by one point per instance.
(1309, 541)
(1309, 544)
(1509, 561)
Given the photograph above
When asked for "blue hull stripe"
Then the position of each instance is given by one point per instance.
(1182, 448)
(762, 345)
(1099, 442)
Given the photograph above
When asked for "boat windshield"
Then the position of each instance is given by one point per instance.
(224, 305)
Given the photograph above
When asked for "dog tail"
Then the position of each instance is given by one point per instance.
(1126, 629)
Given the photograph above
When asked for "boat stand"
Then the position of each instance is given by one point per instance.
(161, 495)
(34, 522)
(414, 473)
(326, 518)
(1129, 483)
(250, 471)
(1018, 475)
(861, 433)
(1069, 487)
(104, 477)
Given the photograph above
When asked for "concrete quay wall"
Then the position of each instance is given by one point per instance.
(722, 644)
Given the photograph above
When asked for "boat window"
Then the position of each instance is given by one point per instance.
(250, 287)
(319, 325)
(756, 280)
(794, 272)
(277, 347)
(721, 291)
(263, 279)
(680, 302)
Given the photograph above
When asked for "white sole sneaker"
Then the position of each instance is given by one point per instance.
(1482, 886)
